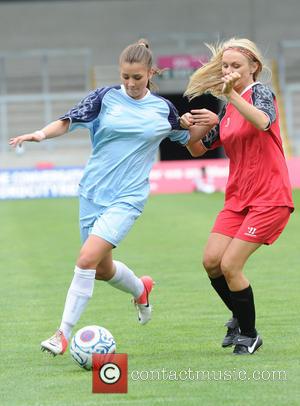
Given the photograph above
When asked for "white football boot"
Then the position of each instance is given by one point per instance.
(142, 303)
(56, 345)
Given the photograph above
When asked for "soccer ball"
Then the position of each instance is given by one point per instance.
(91, 340)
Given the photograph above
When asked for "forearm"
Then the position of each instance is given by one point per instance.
(199, 122)
(55, 129)
(196, 149)
(52, 130)
(255, 116)
(195, 145)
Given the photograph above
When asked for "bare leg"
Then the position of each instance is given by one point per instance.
(233, 261)
(213, 254)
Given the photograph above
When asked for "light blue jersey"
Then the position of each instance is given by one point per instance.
(125, 135)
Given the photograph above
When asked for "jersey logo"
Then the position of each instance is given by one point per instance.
(227, 124)
(251, 232)
(116, 110)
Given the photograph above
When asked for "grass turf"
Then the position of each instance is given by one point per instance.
(39, 244)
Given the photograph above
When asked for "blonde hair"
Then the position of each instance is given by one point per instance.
(140, 52)
(208, 77)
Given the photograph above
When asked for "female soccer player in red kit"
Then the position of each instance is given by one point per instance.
(258, 199)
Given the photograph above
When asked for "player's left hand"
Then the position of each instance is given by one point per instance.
(205, 117)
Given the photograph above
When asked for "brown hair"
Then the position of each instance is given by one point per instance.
(140, 52)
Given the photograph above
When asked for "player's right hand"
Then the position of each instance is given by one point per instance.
(229, 82)
(18, 141)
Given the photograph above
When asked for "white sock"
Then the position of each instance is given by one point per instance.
(125, 280)
(79, 293)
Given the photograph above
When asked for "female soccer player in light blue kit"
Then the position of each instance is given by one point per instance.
(126, 125)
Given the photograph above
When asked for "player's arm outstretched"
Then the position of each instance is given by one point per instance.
(52, 130)
(199, 122)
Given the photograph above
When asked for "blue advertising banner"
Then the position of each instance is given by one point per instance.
(39, 183)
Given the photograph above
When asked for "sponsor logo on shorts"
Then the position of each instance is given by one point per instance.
(251, 232)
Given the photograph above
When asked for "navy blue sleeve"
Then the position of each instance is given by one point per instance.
(213, 136)
(173, 116)
(88, 108)
(263, 99)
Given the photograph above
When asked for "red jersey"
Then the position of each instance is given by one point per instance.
(258, 174)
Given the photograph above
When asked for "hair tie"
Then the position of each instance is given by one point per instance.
(244, 51)
(143, 45)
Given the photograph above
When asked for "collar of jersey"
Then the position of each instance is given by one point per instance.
(248, 87)
(131, 98)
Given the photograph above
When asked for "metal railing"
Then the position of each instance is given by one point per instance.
(37, 86)
(289, 78)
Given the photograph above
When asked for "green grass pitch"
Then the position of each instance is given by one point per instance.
(39, 245)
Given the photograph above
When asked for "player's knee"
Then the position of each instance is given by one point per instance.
(86, 262)
(229, 270)
(211, 264)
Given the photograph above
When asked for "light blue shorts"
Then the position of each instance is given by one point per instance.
(111, 223)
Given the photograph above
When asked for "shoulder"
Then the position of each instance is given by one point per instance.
(99, 93)
(89, 107)
(171, 112)
(260, 90)
(95, 96)
(264, 99)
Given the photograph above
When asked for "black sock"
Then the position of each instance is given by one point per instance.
(243, 303)
(222, 289)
